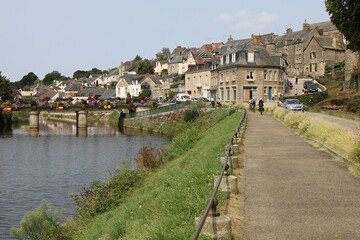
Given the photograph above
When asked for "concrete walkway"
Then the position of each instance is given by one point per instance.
(294, 191)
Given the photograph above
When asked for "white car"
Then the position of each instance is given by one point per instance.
(182, 97)
(293, 104)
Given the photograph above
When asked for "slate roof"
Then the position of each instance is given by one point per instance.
(327, 43)
(91, 91)
(292, 38)
(326, 26)
(129, 78)
(109, 93)
(261, 56)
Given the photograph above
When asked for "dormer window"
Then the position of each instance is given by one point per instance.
(250, 57)
(233, 57)
(221, 61)
(227, 59)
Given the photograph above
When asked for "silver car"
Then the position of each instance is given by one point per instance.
(293, 105)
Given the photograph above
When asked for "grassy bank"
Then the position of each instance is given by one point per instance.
(161, 203)
(171, 197)
(333, 137)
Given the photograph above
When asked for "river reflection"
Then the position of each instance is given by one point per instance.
(58, 163)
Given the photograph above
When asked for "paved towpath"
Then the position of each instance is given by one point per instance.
(294, 191)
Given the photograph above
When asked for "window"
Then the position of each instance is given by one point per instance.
(265, 75)
(222, 94)
(233, 57)
(313, 67)
(270, 75)
(227, 59)
(312, 55)
(250, 76)
(234, 93)
(221, 61)
(228, 94)
(250, 57)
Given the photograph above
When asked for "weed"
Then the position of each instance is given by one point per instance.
(42, 224)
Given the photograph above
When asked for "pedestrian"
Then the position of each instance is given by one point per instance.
(261, 106)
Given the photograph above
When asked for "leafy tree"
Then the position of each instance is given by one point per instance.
(345, 14)
(145, 67)
(27, 80)
(6, 91)
(163, 55)
(85, 74)
(137, 58)
(79, 74)
(54, 75)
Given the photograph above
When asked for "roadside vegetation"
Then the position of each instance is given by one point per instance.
(162, 197)
(323, 134)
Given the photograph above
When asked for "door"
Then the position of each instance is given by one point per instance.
(270, 93)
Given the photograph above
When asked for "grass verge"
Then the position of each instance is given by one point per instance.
(333, 137)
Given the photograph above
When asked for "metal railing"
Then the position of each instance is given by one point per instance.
(162, 109)
(212, 203)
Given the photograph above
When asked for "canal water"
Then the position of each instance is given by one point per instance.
(58, 163)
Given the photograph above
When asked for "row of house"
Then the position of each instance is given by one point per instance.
(233, 72)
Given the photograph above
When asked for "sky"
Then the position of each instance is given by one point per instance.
(42, 36)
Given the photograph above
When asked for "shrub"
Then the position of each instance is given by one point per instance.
(149, 158)
(41, 224)
(101, 197)
(190, 115)
(354, 106)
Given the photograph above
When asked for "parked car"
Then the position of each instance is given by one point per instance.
(293, 104)
(182, 97)
(310, 86)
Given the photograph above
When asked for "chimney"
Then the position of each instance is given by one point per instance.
(230, 39)
(320, 31)
(288, 31)
(257, 39)
(306, 26)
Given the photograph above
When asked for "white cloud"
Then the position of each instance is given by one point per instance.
(266, 18)
(225, 18)
(247, 20)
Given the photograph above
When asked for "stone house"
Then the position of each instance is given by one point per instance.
(159, 86)
(179, 61)
(247, 72)
(322, 51)
(292, 45)
(198, 79)
(128, 84)
(327, 42)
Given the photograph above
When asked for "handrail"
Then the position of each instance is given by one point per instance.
(213, 196)
(162, 109)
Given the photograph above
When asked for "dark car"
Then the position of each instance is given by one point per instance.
(310, 86)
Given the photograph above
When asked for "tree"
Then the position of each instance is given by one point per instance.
(163, 55)
(137, 58)
(54, 75)
(145, 67)
(6, 92)
(345, 14)
(27, 80)
(85, 74)
(79, 74)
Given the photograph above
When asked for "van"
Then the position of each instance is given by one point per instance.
(183, 97)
